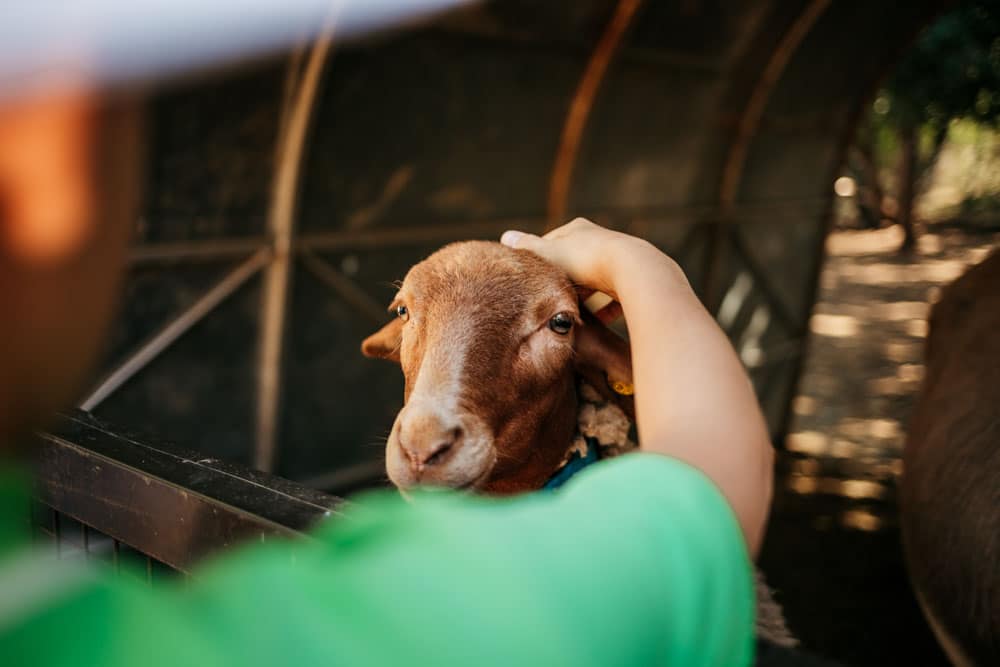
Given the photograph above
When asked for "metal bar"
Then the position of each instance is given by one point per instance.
(732, 170)
(85, 535)
(343, 287)
(711, 273)
(172, 505)
(149, 570)
(206, 250)
(281, 218)
(746, 129)
(687, 243)
(293, 75)
(115, 555)
(415, 235)
(779, 353)
(175, 329)
(767, 374)
(763, 283)
(418, 232)
(581, 104)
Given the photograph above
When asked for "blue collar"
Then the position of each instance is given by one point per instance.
(575, 464)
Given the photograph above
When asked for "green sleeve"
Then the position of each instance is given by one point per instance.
(637, 560)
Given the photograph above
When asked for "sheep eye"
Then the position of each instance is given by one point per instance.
(561, 323)
(402, 313)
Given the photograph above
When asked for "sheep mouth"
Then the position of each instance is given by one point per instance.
(473, 483)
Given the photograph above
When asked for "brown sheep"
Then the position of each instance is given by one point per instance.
(495, 339)
(951, 482)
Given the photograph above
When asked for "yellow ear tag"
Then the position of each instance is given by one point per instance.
(622, 388)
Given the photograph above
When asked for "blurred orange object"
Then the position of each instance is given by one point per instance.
(67, 197)
(46, 191)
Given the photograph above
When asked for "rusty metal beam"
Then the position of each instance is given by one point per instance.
(206, 250)
(281, 218)
(746, 129)
(788, 210)
(343, 287)
(753, 112)
(411, 235)
(176, 328)
(581, 105)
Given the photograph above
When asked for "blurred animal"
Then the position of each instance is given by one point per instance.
(951, 480)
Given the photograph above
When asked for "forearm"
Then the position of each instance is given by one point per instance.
(707, 413)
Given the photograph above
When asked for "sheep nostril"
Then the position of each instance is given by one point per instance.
(441, 449)
(438, 454)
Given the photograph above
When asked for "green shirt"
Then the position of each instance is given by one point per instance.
(637, 561)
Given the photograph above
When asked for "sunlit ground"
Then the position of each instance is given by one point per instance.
(865, 358)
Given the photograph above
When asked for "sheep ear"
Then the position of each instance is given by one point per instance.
(384, 343)
(605, 363)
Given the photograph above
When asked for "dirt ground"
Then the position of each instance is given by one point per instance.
(864, 362)
(833, 549)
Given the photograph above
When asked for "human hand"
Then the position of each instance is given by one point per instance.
(595, 258)
(581, 248)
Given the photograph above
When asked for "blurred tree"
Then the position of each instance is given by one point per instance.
(952, 72)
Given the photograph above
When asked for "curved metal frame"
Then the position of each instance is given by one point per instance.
(753, 112)
(299, 105)
(580, 106)
(746, 129)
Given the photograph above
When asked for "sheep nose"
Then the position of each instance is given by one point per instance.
(426, 439)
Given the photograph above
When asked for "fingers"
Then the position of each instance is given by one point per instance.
(536, 244)
(515, 239)
(579, 247)
(518, 239)
(551, 247)
(610, 313)
(603, 306)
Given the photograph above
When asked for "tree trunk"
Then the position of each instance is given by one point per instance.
(908, 174)
(870, 191)
(926, 168)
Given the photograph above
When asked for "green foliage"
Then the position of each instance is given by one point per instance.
(945, 90)
(953, 71)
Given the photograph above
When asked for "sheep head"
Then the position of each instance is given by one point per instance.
(490, 340)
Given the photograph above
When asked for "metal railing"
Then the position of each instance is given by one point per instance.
(108, 495)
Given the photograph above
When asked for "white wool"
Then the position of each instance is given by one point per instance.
(603, 421)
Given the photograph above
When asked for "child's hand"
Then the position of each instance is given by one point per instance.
(591, 255)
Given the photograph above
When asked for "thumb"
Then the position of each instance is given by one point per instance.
(515, 239)
(543, 247)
